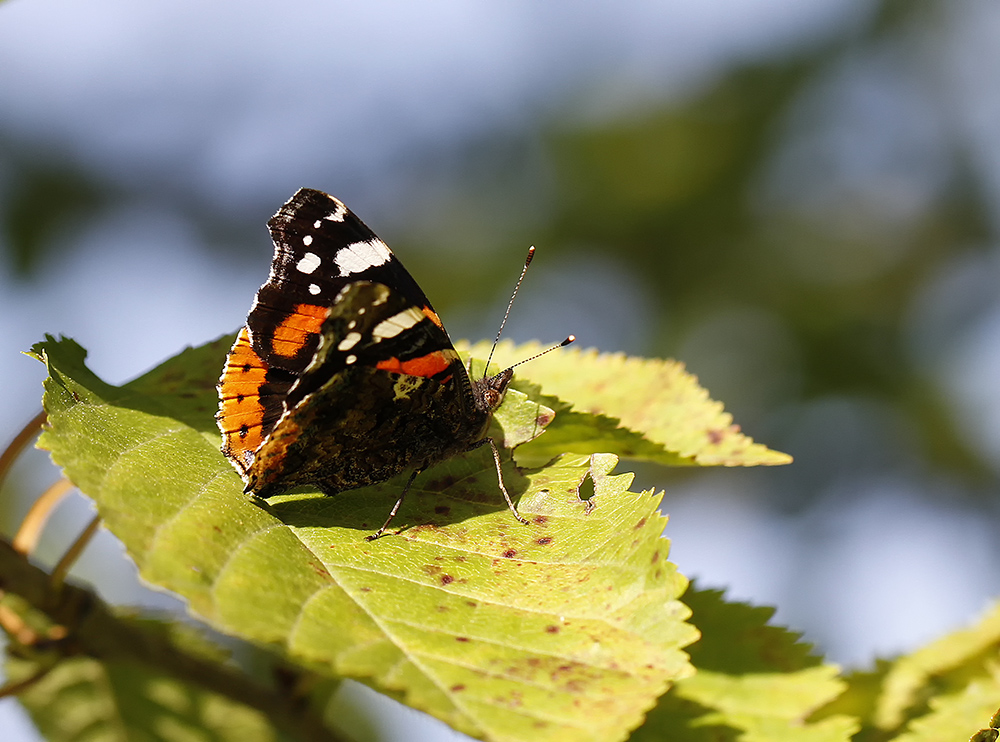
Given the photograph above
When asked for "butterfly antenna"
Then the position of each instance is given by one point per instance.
(563, 344)
(503, 322)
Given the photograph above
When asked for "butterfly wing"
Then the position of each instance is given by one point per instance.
(315, 336)
(385, 391)
(319, 247)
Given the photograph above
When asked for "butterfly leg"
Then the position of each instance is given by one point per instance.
(503, 489)
(395, 508)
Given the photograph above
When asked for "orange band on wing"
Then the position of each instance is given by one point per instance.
(241, 414)
(432, 316)
(292, 333)
(428, 365)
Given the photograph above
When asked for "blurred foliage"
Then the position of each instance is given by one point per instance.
(673, 192)
(44, 199)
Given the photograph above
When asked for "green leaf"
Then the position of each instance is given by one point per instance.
(566, 629)
(955, 716)
(771, 707)
(87, 699)
(944, 665)
(755, 682)
(936, 692)
(141, 676)
(664, 415)
(737, 638)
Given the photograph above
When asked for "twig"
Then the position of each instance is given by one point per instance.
(74, 551)
(21, 440)
(26, 538)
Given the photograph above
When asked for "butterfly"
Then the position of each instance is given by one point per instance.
(344, 375)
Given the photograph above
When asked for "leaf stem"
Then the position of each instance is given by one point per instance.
(73, 552)
(26, 538)
(21, 440)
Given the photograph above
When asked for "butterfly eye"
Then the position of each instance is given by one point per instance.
(492, 398)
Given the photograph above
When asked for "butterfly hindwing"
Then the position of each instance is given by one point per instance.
(385, 391)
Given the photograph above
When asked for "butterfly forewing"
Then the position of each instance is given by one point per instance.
(319, 247)
(344, 375)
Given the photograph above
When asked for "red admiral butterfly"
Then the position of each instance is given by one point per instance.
(344, 375)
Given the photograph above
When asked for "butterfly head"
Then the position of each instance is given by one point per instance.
(489, 390)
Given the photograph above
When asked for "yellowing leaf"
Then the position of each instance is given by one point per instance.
(568, 628)
(656, 399)
(963, 652)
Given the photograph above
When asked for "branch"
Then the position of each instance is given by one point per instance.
(92, 630)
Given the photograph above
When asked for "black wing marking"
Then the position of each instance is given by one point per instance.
(319, 247)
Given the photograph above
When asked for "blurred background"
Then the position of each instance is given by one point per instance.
(801, 201)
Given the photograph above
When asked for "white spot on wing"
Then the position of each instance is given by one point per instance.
(349, 341)
(314, 289)
(396, 324)
(307, 240)
(308, 263)
(360, 256)
(317, 224)
(338, 214)
(350, 359)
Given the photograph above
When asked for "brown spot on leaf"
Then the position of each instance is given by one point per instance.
(656, 557)
(540, 519)
(544, 541)
(715, 436)
(457, 688)
(552, 629)
(447, 579)
(641, 523)
(320, 570)
(461, 638)
(510, 554)
(443, 483)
